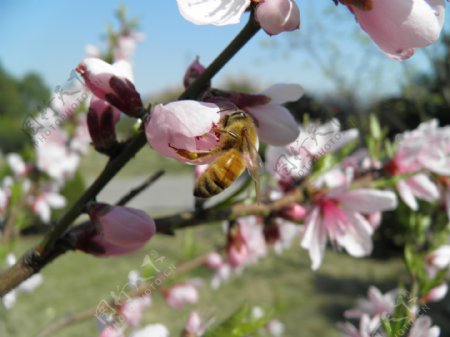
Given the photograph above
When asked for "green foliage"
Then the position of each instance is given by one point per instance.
(239, 324)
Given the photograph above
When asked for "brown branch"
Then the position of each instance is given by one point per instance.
(32, 261)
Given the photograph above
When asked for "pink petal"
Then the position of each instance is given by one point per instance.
(314, 238)
(357, 239)
(422, 187)
(366, 200)
(400, 26)
(276, 126)
(406, 194)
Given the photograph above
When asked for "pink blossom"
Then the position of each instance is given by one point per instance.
(126, 46)
(294, 212)
(16, 164)
(42, 204)
(277, 16)
(336, 216)
(296, 159)
(185, 125)
(181, 294)
(193, 72)
(194, 326)
(246, 243)
(132, 310)
(376, 305)
(213, 12)
(422, 328)
(55, 158)
(437, 260)
(367, 328)
(398, 27)
(112, 83)
(118, 230)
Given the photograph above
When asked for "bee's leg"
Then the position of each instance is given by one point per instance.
(191, 155)
(218, 129)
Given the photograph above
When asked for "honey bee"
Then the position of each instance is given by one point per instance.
(235, 152)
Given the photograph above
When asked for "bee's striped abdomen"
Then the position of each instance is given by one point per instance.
(220, 174)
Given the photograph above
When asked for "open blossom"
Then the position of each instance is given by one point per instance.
(337, 215)
(425, 148)
(16, 164)
(246, 243)
(55, 158)
(112, 83)
(118, 230)
(437, 260)
(367, 327)
(42, 204)
(181, 294)
(422, 327)
(274, 16)
(376, 305)
(398, 27)
(132, 310)
(295, 160)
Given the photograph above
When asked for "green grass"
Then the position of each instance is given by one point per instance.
(310, 303)
(144, 163)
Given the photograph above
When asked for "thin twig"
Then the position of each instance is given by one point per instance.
(36, 258)
(134, 192)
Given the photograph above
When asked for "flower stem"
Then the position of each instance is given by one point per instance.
(36, 258)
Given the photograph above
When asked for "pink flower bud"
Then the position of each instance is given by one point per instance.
(112, 83)
(118, 230)
(277, 16)
(436, 294)
(410, 24)
(193, 72)
(132, 310)
(101, 120)
(193, 326)
(295, 212)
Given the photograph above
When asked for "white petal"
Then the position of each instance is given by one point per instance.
(276, 126)
(281, 93)
(357, 240)
(406, 194)
(124, 69)
(422, 187)
(367, 200)
(314, 238)
(213, 12)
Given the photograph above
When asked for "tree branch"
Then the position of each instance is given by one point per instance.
(32, 261)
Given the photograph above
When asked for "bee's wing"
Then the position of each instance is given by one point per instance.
(253, 163)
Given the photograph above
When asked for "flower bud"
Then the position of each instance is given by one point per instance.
(193, 72)
(277, 16)
(102, 119)
(112, 83)
(214, 260)
(117, 230)
(294, 212)
(436, 294)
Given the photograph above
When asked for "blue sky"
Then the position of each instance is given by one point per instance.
(49, 37)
